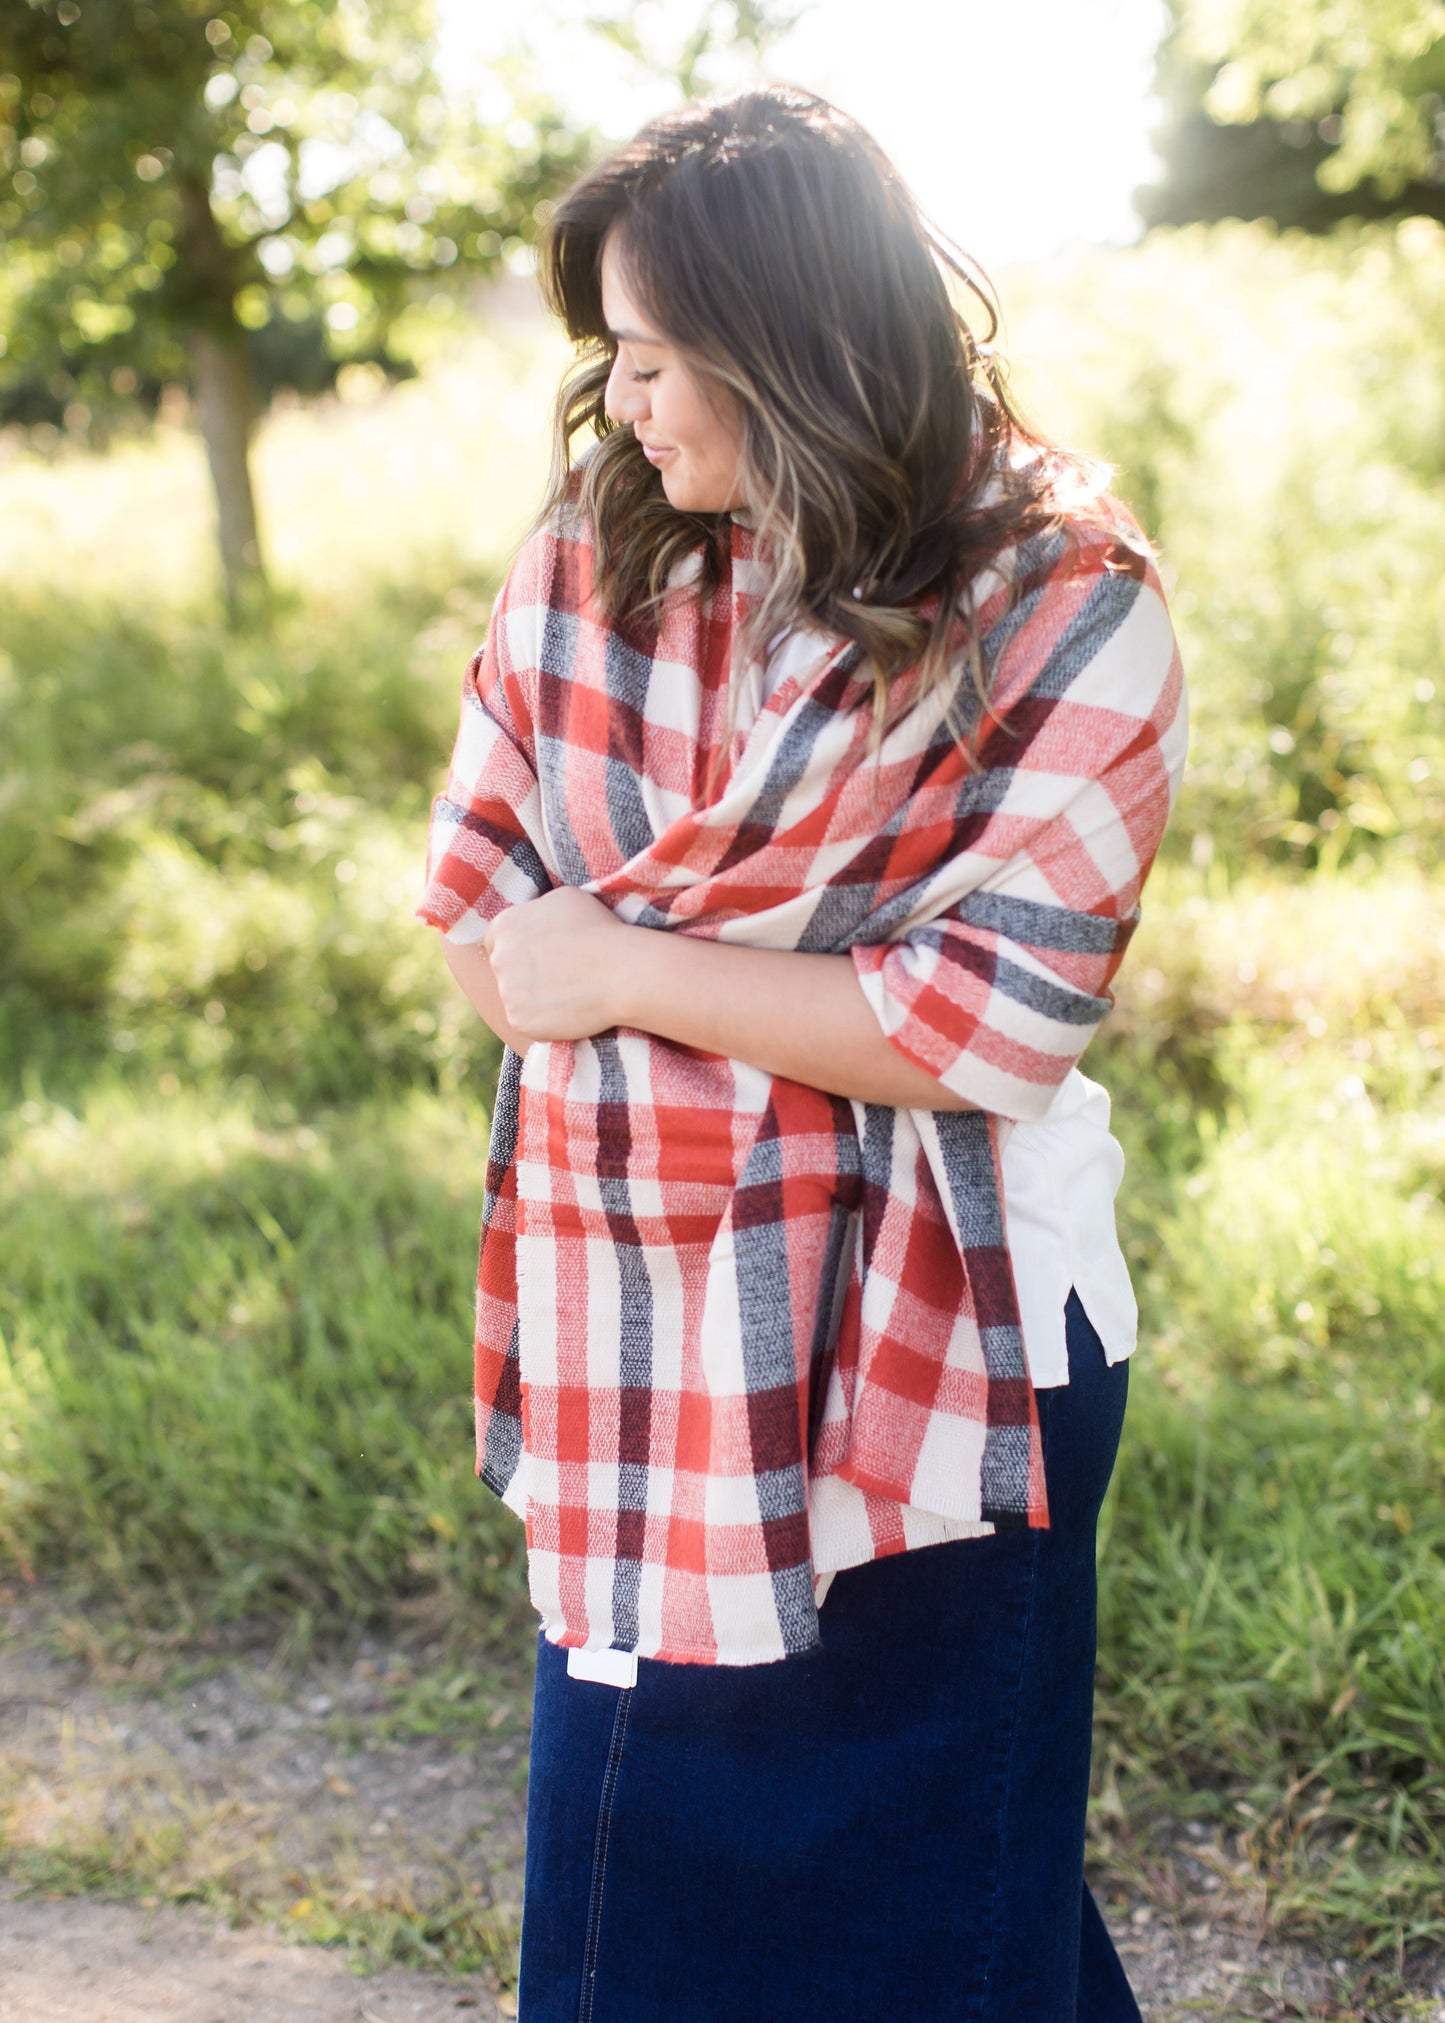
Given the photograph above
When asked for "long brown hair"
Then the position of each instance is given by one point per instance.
(775, 245)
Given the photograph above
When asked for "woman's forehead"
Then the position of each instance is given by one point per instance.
(625, 319)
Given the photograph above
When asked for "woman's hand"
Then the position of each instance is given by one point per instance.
(558, 965)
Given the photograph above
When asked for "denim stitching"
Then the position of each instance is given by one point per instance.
(599, 1855)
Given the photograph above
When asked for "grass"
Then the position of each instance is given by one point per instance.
(243, 1120)
(1274, 1568)
(235, 1353)
(455, 1930)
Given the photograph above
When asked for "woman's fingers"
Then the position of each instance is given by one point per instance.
(555, 964)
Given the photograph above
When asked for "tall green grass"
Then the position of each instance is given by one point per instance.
(244, 1114)
(234, 1369)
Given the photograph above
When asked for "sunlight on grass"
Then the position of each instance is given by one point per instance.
(449, 465)
(232, 1351)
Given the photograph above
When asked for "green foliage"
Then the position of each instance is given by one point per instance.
(1304, 111)
(1275, 407)
(210, 847)
(216, 871)
(268, 164)
(1376, 66)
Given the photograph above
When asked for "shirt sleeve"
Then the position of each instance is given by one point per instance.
(486, 847)
(998, 990)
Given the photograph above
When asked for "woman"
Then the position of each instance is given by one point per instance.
(825, 731)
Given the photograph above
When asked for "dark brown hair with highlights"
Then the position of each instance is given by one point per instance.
(884, 465)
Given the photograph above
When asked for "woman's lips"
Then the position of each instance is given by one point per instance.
(655, 456)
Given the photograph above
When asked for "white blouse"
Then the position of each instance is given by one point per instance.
(1060, 1175)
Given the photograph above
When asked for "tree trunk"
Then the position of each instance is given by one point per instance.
(224, 389)
(225, 409)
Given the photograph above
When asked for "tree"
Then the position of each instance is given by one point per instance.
(1305, 111)
(184, 183)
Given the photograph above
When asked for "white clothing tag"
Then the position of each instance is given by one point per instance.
(603, 1668)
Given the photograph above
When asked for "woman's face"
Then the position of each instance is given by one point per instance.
(691, 431)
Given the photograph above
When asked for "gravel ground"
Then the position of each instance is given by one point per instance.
(376, 1800)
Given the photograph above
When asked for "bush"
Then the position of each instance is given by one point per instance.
(1276, 409)
(211, 854)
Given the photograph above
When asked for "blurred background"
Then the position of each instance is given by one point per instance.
(274, 389)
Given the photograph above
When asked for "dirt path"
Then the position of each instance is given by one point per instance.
(78, 1960)
(81, 1961)
(375, 1802)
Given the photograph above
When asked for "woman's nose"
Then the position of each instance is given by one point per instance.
(624, 399)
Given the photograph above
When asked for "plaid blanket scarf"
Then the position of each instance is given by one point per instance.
(732, 1333)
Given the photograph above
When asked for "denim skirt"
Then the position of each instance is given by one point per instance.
(890, 1825)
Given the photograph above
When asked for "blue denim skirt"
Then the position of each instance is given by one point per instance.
(891, 1825)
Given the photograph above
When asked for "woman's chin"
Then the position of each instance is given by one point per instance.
(686, 495)
(678, 492)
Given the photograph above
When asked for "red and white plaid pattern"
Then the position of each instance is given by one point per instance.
(733, 1333)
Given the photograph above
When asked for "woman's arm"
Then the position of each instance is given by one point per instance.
(469, 965)
(563, 967)
(803, 1016)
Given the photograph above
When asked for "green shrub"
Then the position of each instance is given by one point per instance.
(1276, 409)
(211, 848)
